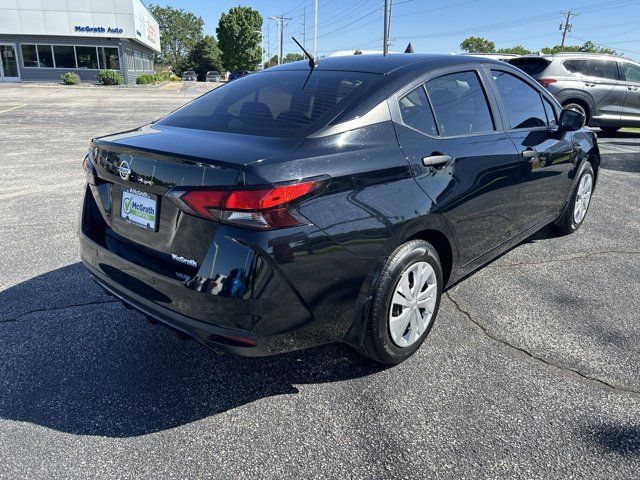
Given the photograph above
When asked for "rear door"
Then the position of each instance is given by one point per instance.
(546, 157)
(445, 119)
(631, 75)
(606, 88)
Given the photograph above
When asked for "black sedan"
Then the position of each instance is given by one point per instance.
(238, 74)
(300, 205)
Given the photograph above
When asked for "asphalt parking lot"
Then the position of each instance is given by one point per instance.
(532, 369)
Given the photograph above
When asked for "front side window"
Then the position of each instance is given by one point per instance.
(460, 104)
(552, 121)
(416, 111)
(87, 57)
(522, 102)
(45, 56)
(271, 103)
(603, 69)
(631, 72)
(65, 56)
(29, 56)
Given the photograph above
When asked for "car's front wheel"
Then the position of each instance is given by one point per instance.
(579, 202)
(405, 303)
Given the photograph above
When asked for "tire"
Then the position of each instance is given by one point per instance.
(578, 108)
(610, 130)
(570, 221)
(409, 263)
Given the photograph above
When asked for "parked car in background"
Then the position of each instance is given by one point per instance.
(212, 76)
(299, 207)
(189, 76)
(238, 74)
(604, 88)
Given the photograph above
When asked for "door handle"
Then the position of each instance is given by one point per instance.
(633, 89)
(529, 153)
(436, 160)
(590, 84)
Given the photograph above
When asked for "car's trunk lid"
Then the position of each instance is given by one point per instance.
(137, 168)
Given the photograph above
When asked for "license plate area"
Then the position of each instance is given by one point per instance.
(139, 208)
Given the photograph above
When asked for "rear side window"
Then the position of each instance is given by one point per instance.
(603, 69)
(576, 66)
(530, 66)
(460, 104)
(522, 102)
(416, 111)
(271, 103)
(631, 72)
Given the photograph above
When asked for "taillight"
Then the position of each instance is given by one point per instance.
(88, 168)
(263, 208)
(545, 82)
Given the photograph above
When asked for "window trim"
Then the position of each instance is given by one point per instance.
(490, 97)
(55, 67)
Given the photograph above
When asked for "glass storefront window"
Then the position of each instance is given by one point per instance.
(138, 57)
(65, 56)
(109, 58)
(87, 57)
(29, 56)
(45, 56)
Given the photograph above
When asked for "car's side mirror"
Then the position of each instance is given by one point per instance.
(570, 121)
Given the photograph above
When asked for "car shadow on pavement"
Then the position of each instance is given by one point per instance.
(73, 360)
(623, 440)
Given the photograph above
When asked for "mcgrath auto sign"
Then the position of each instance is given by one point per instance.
(91, 29)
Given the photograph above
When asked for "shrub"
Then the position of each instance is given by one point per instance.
(174, 78)
(70, 78)
(146, 79)
(109, 77)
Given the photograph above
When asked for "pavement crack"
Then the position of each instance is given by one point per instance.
(549, 363)
(53, 309)
(569, 258)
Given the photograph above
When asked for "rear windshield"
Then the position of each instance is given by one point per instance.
(271, 103)
(531, 66)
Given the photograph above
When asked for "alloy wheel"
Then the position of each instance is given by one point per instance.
(413, 304)
(583, 197)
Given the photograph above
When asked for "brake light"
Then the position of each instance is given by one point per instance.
(261, 208)
(545, 82)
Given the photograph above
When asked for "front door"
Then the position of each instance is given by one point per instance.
(461, 160)
(546, 155)
(8, 63)
(631, 112)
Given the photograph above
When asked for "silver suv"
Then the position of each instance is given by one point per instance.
(605, 88)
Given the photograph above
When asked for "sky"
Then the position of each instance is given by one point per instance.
(436, 26)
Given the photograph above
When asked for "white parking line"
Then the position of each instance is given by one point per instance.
(12, 108)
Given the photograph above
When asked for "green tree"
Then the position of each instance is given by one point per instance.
(179, 32)
(292, 57)
(587, 47)
(517, 49)
(477, 45)
(239, 38)
(273, 61)
(204, 56)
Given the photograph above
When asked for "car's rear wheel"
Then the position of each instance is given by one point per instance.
(405, 303)
(576, 210)
(578, 108)
(610, 130)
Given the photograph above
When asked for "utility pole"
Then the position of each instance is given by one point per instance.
(315, 30)
(385, 37)
(566, 26)
(280, 21)
(304, 27)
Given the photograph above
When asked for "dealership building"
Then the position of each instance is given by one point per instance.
(42, 39)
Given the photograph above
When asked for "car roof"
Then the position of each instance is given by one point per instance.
(383, 64)
(578, 55)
